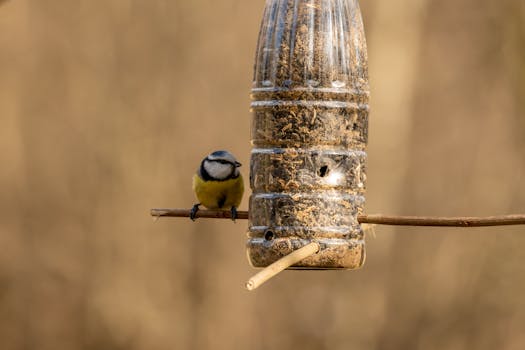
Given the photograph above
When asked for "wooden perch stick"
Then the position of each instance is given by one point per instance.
(282, 264)
(378, 219)
(461, 221)
(202, 213)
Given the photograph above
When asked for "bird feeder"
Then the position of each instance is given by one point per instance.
(309, 132)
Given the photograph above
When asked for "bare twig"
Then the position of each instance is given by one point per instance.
(282, 264)
(378, 219)
(202, 213)
(466, 221)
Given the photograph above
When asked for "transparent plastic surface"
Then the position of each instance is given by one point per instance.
(309, 133)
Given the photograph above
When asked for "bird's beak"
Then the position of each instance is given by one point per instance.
(237, 164)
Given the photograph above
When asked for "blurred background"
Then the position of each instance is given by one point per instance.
(106, 109)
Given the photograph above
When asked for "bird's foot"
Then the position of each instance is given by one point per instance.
(194, 211)
(234, 213)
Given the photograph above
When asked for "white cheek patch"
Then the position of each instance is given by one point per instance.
(218, 170)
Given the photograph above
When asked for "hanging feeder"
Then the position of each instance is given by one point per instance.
(309, 133)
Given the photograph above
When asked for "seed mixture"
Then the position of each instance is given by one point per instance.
(309, 133)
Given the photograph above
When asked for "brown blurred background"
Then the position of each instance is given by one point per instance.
(107, 107)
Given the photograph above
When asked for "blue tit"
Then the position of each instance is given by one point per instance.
(218, 183)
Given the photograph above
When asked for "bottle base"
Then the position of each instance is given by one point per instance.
(334, 253)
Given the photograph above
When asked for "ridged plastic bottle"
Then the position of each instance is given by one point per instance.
(309, 132)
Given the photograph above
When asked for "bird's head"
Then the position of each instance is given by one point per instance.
(219, 166)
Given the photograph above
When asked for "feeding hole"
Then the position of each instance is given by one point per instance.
(323, 171)
(268, 235)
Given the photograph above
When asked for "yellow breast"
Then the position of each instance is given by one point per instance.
(219, 194)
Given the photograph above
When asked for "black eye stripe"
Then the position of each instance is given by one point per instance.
(222, 161)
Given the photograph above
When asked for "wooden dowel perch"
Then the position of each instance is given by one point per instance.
(202, 213)
(282, 264)
(378, 219)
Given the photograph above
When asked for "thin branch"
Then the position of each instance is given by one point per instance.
(378, 219)
(282, 264)
(461, 221)
(202, 213)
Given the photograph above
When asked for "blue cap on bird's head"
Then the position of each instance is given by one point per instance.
(220, 153)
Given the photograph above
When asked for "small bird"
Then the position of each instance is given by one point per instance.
(218, 183)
